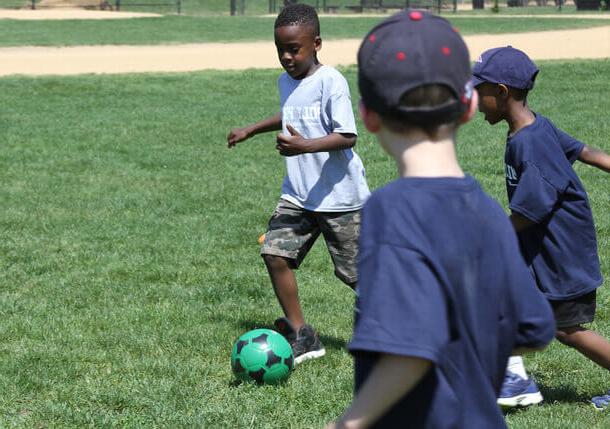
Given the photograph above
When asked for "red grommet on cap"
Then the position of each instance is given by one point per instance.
(372, 38)
(400, 56)
(446, 50)
(415, 15)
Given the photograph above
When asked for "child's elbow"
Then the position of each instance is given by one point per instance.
(350, 140)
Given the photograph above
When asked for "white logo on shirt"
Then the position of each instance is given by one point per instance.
(512, 178)
(305, 113)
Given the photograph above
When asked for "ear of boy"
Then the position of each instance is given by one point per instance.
(317, 43)
(372, 120)
(472, 109)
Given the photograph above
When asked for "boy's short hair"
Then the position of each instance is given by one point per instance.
(299, 14)
(414, 71)
(505, 65)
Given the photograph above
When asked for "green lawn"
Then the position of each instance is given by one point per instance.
(185, 29)
(129, 263)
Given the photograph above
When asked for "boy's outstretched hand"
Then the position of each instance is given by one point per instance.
(237, 135)
(291, 145)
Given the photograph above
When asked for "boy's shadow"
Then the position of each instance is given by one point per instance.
(329, 342)
(564, 394)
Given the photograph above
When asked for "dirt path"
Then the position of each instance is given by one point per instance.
(564, 44)
(63, 13)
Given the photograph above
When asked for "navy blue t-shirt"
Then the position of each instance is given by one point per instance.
(441, 278)
(561, 248)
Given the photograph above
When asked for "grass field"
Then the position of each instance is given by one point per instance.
(129, 263)
(183, 29)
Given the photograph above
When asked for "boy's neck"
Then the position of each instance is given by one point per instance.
(417, 155)
(314, 68)
(519, 116)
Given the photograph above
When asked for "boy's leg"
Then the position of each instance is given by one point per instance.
(593, 346)
(587, 342)
(341, 232)
(291, 233)
(569, 315)
(515, 365)
(285, 286)
(518, 390)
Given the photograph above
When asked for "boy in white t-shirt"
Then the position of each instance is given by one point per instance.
(324, 186)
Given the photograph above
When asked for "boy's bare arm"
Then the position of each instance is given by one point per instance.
(391, 379)
(520, 222)
(595, 157)
(272, 123)
(296, 144)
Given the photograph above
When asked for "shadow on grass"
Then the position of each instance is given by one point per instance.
(333, 342)
(564, 394)
(249, 324)
(328, 341)
(235, 383)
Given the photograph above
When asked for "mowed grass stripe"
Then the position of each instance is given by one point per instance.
(129, 263)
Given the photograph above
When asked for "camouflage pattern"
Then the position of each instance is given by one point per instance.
(293, 230)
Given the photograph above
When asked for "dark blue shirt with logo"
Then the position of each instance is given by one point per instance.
(561, 249)
(441, 278)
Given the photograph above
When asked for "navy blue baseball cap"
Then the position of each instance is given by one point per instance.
(505, 65)
(410, 49)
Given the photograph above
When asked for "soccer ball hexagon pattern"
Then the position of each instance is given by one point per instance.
(262, 355)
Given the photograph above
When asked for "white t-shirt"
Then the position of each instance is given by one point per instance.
(316, 106)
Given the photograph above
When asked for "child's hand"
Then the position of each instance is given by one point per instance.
(291, 145)
(237, 135)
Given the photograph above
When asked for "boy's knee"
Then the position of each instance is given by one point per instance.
(274, 262)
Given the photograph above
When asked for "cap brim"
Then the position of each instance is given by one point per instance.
(476, 81)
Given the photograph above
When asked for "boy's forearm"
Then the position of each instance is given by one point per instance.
(272, 123)
(391, 379)
(595, 157)
(333, 141)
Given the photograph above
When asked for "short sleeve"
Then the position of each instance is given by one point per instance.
(339, 109)
(534, 197)
(536, 326)
(401, 309)
(535, 319)
(570, 146)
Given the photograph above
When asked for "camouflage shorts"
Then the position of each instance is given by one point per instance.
(293, 230)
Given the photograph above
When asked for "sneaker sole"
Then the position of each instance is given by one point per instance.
(310, 355)
(521, 400)
(599, 408)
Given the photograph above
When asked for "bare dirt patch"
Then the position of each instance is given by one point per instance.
(564, 44)
(60, 14)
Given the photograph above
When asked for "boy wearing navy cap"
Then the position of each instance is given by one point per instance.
(443, 296)
(549, 209)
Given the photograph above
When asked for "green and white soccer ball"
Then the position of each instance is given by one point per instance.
(262, 355)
